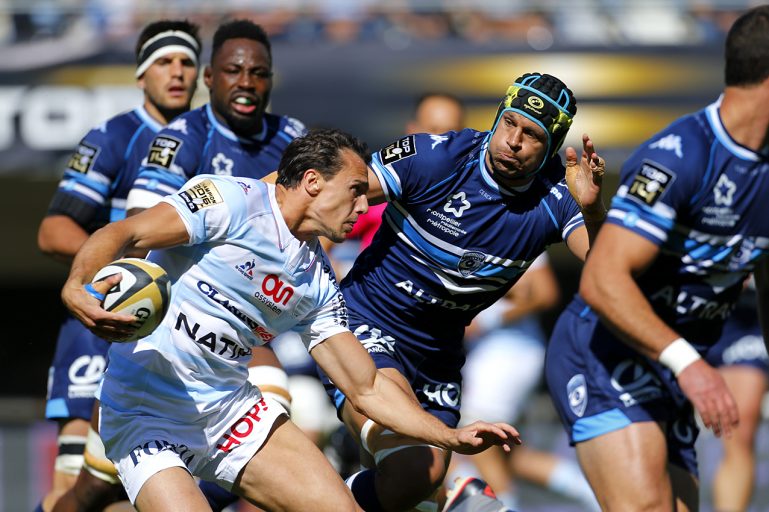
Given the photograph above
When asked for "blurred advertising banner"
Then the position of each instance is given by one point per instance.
(369, 89)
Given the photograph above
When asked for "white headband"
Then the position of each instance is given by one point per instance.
(165, 43)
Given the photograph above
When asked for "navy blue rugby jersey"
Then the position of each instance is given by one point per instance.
(101, 171)
(197, 143)
(701, 197)
(452, 241)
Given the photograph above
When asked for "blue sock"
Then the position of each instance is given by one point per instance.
(362, 486)
(218, 498)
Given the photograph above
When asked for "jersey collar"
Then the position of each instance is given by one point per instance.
(147, 119)
(714, 118)
(489, 179)
(226, 132)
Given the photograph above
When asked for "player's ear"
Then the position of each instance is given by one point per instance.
(311, 181)
(208, 76)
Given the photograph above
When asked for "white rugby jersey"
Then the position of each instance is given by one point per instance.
(242, 279)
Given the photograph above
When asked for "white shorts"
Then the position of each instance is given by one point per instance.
(215, 448)
(500, 373)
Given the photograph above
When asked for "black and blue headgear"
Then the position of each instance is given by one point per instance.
(545, 100)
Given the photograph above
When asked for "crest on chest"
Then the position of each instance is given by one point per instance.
(470, 262)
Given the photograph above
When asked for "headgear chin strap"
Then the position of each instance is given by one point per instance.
(545, 100)
(164, 43)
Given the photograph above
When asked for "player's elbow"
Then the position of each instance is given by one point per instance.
(49, 245)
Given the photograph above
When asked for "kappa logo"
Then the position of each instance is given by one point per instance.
(222, 165)
(576, 391)
(669, 143)
(245, 186)
(470, 262)
(462, 204)
(295, 128)
(724, 191)
(179, 125)
(438, 139)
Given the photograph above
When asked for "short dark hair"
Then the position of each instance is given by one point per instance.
(747, 48)
(240, 29)
(158, 27)
(321, 150)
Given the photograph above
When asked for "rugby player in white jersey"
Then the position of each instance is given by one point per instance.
(177, 403)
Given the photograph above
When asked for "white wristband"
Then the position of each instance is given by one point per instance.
(678, 355)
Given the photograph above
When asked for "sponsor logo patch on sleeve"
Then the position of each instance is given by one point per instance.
(650, 182)
(398, 150)
(83, 158)
(163, 150)
(201, 195)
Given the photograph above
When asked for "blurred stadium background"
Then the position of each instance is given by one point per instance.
(634, 66)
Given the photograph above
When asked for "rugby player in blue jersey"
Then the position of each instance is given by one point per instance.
(625, 363)
(467, 213)
(92, 193)
(177, 402)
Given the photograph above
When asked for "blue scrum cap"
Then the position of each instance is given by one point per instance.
(545, 100)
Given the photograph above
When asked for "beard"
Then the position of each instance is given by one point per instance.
(243, 125)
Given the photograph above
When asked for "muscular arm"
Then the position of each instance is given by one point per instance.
(60, 237)
(378, 397)
(155, 228)
(609, 287)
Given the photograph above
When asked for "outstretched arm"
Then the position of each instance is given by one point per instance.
(378, 397)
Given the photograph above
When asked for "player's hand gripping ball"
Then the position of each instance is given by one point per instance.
(144, 291)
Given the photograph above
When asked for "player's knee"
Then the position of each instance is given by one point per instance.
(272, 382)
(404, 463)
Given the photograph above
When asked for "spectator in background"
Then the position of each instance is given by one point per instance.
(92, 193)
(741, 358)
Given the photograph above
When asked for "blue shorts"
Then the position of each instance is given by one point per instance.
(741, 343)
(436, 381)
(75, 373)
(599, 385)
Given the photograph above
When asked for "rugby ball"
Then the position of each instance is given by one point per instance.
(144, 291)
